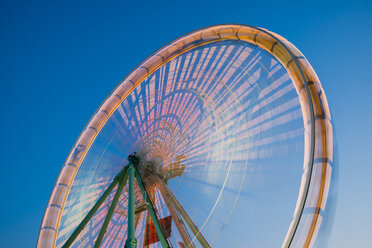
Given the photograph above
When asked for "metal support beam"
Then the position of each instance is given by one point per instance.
(176, 218)
(111, 210)
(186, 217)
(131, 241)
(94, 209)
(136, 220)
(152, 213)
(146, 225)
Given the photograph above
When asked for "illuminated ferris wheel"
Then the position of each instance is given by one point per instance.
(221, 138)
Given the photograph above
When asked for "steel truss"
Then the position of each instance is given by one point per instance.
(128, 175)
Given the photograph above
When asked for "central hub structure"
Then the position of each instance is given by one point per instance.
(151, 170)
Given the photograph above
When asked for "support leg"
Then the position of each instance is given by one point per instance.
(136, 220)
(147, 222)
(176, 218)
(94, 209)
(151, 212)
(185, 216)
(131, 241)
(111, 210)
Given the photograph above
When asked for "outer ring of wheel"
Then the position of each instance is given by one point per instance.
(318, 157)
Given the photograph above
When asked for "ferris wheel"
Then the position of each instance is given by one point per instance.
(223, 137)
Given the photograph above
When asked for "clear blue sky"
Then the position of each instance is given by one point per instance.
(58, 62)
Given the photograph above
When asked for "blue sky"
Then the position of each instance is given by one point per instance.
(59, 60)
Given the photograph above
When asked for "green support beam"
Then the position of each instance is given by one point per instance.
(111, 210)
(151, 211)
(131, 241)
(94, 209)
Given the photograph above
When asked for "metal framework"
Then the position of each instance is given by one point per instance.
(128, 175)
